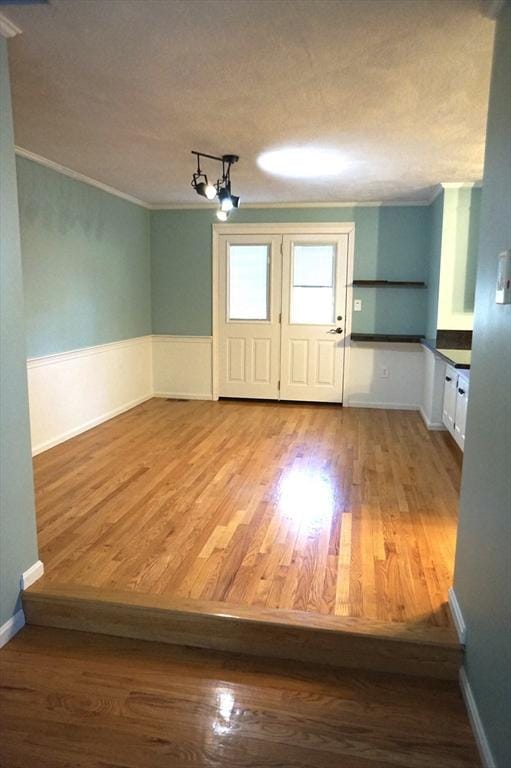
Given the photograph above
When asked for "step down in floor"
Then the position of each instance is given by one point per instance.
(301, 636)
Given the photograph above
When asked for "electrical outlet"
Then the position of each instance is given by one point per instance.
(357, 305)
(384, 372)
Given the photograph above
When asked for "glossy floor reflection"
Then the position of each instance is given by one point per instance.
(126, 703)
(316, 508)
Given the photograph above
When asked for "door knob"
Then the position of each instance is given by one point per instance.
(335, 330)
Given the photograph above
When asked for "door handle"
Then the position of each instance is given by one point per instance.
(335, 330)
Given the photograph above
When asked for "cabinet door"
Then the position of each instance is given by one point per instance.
(461, 412)
(449, 407)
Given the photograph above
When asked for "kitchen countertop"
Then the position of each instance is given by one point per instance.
(459, 358)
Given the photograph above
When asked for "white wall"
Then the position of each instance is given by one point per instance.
(432, 390)
(182, 366)
(73, 391)
(366, 388)
(458, 257)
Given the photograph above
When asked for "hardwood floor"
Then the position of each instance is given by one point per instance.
(72, 699)
(346, 512)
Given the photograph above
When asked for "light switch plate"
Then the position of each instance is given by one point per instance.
(503, 293)
(357, 305)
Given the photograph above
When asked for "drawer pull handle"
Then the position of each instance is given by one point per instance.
(461, 391)
(448, 378)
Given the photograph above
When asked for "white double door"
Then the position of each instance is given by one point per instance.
(282, 309)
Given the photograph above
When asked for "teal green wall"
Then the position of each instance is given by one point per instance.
(482, 578)
(437, 213)
(390, 243)
(86, 263)
(18, 544)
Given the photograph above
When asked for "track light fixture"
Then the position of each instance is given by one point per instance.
(225, 200)
(222, 187)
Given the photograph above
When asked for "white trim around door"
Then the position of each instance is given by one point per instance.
(320, 228)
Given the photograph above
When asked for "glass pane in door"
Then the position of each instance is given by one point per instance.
(313, 284)
(249, 282)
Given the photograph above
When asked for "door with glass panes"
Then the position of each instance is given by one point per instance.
(281, 322)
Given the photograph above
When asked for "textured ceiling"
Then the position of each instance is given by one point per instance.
(122, 90)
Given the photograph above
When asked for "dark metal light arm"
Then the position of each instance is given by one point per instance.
(222, 185)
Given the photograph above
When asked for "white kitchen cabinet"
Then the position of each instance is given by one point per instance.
(454, 412)
(460, 419)
(450, 389)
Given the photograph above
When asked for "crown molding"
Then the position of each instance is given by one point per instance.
(460, 184)
(452, 185)
(77, 176)
(437, 190)
(265, 206)
(21, 152)
(8, 28)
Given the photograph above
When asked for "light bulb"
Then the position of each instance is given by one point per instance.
(210, 192)
(222, 215)
(226, 204)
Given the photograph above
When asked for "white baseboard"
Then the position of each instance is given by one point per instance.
(457, 616)
(184, 395)
(88, 425)
(483, 746)
(381, 405)
(11, 626)
(433, 426)
(32, 574)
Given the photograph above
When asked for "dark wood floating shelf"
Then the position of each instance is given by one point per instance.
(388, 284)
(396, 337)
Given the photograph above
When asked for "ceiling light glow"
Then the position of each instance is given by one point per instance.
(302, 162)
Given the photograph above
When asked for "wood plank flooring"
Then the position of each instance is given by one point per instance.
(71, 699)
(347, 512)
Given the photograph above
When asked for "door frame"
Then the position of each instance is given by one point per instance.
(320, 228)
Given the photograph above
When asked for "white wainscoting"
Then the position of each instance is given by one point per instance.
(182, 367)
(73, 391)
(366, 388)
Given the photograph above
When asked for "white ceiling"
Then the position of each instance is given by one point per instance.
(122, 90)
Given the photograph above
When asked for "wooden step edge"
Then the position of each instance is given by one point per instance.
(444, 637)
(272, 633)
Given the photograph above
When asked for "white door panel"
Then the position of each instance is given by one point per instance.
(236, 361)
(325, 369)
(250, 298)
(261, 355)
(313, 297)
